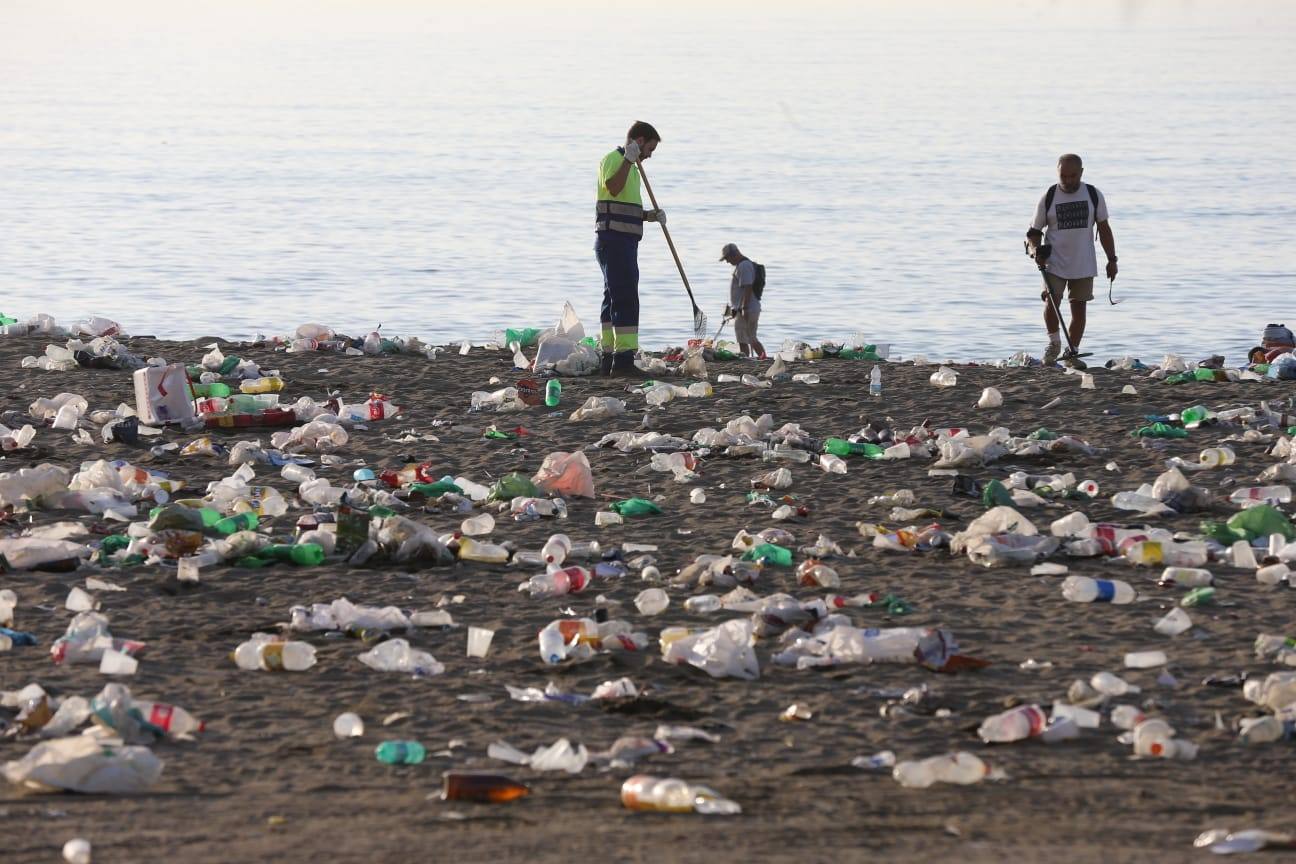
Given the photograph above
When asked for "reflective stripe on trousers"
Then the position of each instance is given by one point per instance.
(618, 258)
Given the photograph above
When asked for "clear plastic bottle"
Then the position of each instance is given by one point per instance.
(294, 473)
(962, 768)
(875, 382)
(569, 580)
(672, 795)
(1185, 577)
(1145, 659)
(272, 655)
(704, 604)
(1215, 456)
(1111, 685)
(556, 549)
(1082, 589)
(1082, 717)
(1015, 724)
(1126, 716)
(476, 550)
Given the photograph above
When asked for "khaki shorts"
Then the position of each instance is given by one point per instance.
(745, 328)
(1078, 290)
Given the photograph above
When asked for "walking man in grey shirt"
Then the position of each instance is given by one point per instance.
(744, 302)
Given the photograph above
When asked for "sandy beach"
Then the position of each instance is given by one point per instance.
(268, 781)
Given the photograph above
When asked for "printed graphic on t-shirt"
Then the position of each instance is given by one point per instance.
(1073, 214)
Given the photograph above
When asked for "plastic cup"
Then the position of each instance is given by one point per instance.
(479, 641)
(117, 663)
(348, 725)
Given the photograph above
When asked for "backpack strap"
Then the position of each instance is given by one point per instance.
(1048, 199)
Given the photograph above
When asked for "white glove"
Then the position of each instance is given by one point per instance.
(658, 216)
(632, 152)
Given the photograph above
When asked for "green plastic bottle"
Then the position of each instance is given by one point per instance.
(553, 392)
(636, 507)
(1198, 597)
(301, 554)
(1160, 430)
(400, 752)
(769, 553)
(1042, 434)
(842, 447)
(215, 389)
(182, 517)
(1195, 414)
(229, 364)
(238, 522)
(1204, 374)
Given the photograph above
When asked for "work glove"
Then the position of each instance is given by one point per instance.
(632, 152)
(658, 216)
(1111, 270)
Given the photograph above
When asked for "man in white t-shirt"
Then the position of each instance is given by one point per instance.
(744, 304)
(1070, 211)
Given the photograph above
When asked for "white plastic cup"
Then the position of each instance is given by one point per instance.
(348, 725)
(116, 663)
(187, 570)
(479, 641)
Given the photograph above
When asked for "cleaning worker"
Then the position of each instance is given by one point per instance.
(745, 289)
(619, 216)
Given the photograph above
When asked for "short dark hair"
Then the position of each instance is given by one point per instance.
(640, 129)
(1072, 158)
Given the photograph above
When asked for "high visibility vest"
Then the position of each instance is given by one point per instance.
(623, 212)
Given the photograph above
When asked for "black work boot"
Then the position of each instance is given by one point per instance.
(623, 366)
(605, 363)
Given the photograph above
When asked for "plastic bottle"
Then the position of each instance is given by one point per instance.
(1126, 716)
(1111, 685)
(400, 752)
(233, 524)
(1018, 723)
(1264, 494)
(1082, 717)
(1195, 414)
(481, 786)
(1082, 589)
(1185, 577)
(652, 601)
(1198, 597)
(875, 382)
(962, 768)
(1215, 456)
(704, 604)
(294, 473)
(301, 554)
(553, 392)
(672, 795)
(569, 580)
(556, 549)
(274, 656)
(259, 385)
(475, 550)
(1154, 738)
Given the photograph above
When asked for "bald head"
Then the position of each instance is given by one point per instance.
(1070, 170)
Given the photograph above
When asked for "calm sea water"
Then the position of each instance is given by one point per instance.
(225, 169)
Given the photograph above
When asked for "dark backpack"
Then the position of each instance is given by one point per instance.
(1093, 196)
(758, 287)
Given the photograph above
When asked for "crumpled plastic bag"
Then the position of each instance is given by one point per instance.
(558, 756)
(342, 614)
(85, 763)
(567, 474)
(599, 408)
(832, 645)
(995, 550)
(396, 655)
(560, 342)
(655, 441)
(996, 520)
(724, 651)
(24, 553)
